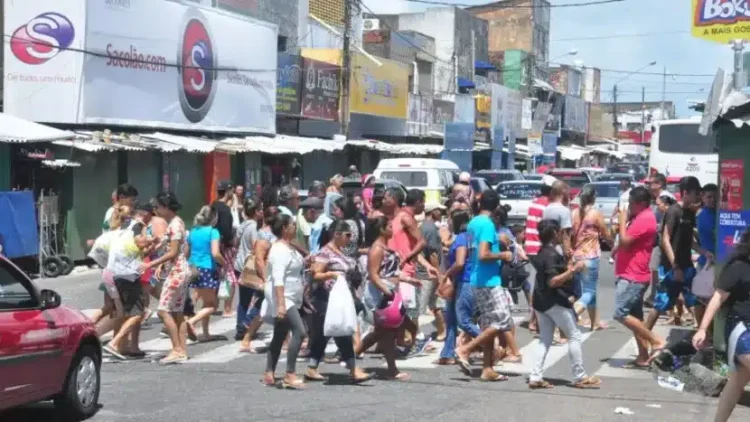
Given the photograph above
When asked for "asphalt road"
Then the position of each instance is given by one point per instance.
(219, 384)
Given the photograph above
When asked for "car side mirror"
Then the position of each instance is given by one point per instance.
(50, 299)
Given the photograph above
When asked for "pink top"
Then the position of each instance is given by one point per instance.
(403, 243)
(586, 242)
(367, 198)
(632, 263)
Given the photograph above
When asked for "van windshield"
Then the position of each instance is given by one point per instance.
(407, 178)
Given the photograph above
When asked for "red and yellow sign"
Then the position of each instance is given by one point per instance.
(721, 21)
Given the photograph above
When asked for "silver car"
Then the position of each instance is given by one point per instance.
(519, 194)
(607, 197)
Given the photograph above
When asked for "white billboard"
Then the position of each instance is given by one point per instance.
(43, 64)
(165, 64)
(139, 63)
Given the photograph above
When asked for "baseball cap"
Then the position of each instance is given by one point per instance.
(312, 202)
(464, 177)
(432, 206)
(549, 180)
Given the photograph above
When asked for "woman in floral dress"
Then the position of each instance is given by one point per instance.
(175, 289)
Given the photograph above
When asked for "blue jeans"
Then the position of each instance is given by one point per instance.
(246, 314)
(458, 314)
(669, 290)
(629, 299)
(588, 281)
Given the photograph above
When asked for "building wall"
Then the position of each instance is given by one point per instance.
(330, 11)
(438, 23)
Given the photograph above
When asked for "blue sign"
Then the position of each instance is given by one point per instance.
(458, 144)
(731, 226)
(498, 139)
(549, 147)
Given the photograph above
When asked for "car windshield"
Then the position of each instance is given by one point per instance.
(407, 178)
(606, 190)
(519, 191)
(612, 177)
(574, 180)
(494, 178)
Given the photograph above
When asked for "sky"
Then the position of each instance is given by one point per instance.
(666, 39)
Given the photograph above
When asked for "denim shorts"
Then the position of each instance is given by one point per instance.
(669, 290)
(587, 282)
(629, 299)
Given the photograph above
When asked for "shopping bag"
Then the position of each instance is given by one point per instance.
(703, 283)
(408, 295)
(341, 316)
(268, 307)
(124, 256)
(100, 250)
(225, 289)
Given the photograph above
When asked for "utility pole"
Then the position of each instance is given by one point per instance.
(643, 114)
(346, 69)
(663, 94)
(738, 46)
(615, 124)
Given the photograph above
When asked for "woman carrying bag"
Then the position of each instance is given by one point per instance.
(283, 292)
(329, 264)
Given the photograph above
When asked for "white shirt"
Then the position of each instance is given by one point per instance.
(624, 200)
(285, 269)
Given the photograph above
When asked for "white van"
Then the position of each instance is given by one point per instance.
(433, 176)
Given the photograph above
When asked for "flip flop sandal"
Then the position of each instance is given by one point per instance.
(602, 327)
(464, 366)
(173, 361)
(296, 385)
(315, 379)
(513, 359)
(269, 385)
(635, 365)
(357, 381)
(401, 376)
(588, 383)
(111, 350)
(250, 350)
(497, 378)
(541, 385)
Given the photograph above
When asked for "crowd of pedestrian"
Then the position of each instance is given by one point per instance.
(399, 257)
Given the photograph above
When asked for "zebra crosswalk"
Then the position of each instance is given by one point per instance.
(610, 349)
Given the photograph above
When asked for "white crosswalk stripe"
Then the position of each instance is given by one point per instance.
(223, 352)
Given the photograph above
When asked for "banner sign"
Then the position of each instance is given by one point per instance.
(288, 87)
(442, 113)
(320, 90)
(731, 226)
(731, 177)
(379, 90)
(721, 20)
(142, 79)
(549, 147)
(575, 118)
(534, 143)
(458, 144)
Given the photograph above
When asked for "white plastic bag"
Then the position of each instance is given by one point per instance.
(100, 250)
(703, 283)
(408, 295)
(124, 256)
(268, 307)
(225, 289)
(341, 316)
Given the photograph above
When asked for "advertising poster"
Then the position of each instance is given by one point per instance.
(731, 176)
(320, 90)
(549, 147)
(720, 21)
(288, 84)
(731, 226)
(442, 113)
(380, 90)
(458, 144)
(534, 143)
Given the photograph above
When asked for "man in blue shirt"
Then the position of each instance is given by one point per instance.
(492, 300)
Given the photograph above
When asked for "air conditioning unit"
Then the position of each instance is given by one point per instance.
(371, 24)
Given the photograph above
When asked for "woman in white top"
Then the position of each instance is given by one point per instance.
(285, 285)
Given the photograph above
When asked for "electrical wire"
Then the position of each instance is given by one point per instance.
(498, 5)
(615, 36)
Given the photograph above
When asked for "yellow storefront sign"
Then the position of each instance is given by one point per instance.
(376, 90)
(721, 21)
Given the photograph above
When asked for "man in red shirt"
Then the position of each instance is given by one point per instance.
(633, 273)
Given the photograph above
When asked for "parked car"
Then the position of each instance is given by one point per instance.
(575, 178)
(48, 351)
(494, 177)
(638, 171)
(614, 177)
(607, 196)
(480, 184)
(519, 194)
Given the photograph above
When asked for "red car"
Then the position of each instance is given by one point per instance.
(575, 178)
(47, 351)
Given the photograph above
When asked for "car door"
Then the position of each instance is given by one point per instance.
(30, 341)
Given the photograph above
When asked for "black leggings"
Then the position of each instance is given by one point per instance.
(318, 341)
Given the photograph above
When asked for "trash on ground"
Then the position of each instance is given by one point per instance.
(654, 406)
(623, 411)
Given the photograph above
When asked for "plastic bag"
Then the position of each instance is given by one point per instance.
(341, 316)
(225, 289)
(100, 250)
(268, 307)
(124, 256)
(408, 295)
(703, 283)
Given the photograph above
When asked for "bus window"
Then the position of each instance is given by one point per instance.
(685, 139)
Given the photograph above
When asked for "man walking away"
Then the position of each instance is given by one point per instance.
(532, 243)
(433, 253)
(633, 274)
(492, 300)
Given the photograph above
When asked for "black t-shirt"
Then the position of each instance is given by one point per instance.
(735, 279)
(549, 264)
(681, 225)
(224, 222)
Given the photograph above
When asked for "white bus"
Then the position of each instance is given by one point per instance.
(678, 150)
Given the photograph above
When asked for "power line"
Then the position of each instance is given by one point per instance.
(498, 5)
(615, 36)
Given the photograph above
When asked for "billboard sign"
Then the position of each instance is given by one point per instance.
(379, 90)
(288, 85)
(575, 118)
(721, 21)
(210, 81)
(320, 90)
(43, 59)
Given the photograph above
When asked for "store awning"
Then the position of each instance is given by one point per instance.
(571, 153)
(285, 144)
(15, 129)
(186, 143)
(401, 149)
(482, 65)
(602, 149)
(465, 83)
